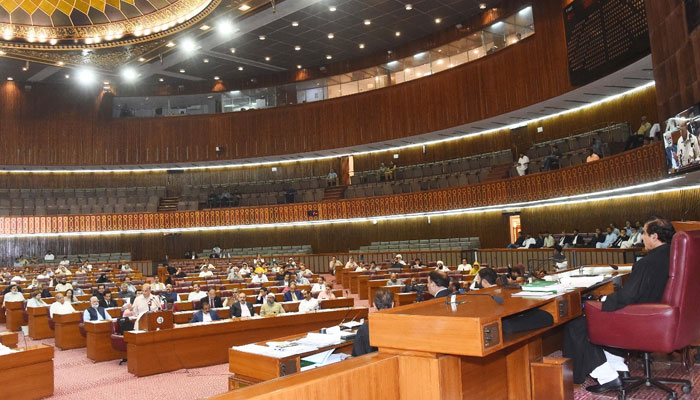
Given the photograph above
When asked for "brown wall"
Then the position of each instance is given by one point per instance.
(65, 128)
(676, 56)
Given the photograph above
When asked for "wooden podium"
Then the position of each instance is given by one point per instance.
(39, 323)
(67, 331)
(14, 313)
(155, 321)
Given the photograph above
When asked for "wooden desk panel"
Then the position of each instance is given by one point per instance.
(39, 323)
(337, 303)
(14, 313)
(67, 332)
(99, 344)
(9, 339)
(27, 374)
(199, 345)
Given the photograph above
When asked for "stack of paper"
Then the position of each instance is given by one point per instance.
(544, 287)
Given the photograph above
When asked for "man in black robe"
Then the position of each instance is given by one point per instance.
(646, 284)
(383, 299)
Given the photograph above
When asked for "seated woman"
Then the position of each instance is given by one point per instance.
(35, 300)
(326, 293)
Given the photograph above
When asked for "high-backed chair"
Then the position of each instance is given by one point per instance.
(664, 327)
(117, 339)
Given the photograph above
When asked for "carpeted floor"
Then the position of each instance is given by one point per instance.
(77, 378)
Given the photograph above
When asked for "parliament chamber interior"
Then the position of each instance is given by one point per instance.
(350, 199)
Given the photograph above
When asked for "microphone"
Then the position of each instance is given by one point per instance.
(615, 267)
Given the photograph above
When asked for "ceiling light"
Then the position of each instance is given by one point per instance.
(525, 10)
(482, 6)
(188, 45)
(408, 7)
(240, 68)
(105, 83)
(24, 69)
(439, 62)
(53, 41)
(233, 50)
(161, 80)
(398, 33)
(497, 25)
(7, 34)
(2, 53)
(328, 57)
(298, 66)
(182, 71)
(67, 76)
(216, 78)
(86, 76)
(361, 45)
(206, 60)
(87, 40)
(60, 63)
(262, 37)
(438, 20)
(367, 22)
(244, 7)
(331, 36)
(9, 78)
(332, 8)
(204, 27)
(224, 27)
(170, 44)
(129, 74)
(141, 59)
(267, 58)
(297, 48)
(295, 23)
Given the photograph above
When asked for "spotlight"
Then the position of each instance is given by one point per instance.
(361, 45)
(331, 36)
(367, 22)
(170, 44)
(141, 59)
(297, 48)
(216, 78)
(188, 45)
(86, 76)
(182, 71)
(482, 6)
(408, 7)
(233, 50)
(161, 80)
(262, 37)
(224, 27)
(397, 33)
(438, 20)
(298, 66)
(295, 23)
(244, 7)
(240, 68)
(129, 74)
(9, 78)
(328, 57)
(332, 8)
(267, 58)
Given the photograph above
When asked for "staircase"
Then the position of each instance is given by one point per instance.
(334, 193)
(168, 204)
(498, 172)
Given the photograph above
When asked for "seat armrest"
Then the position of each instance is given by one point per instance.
(643, 327)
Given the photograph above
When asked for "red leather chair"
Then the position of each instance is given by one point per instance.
(664, 327)
(117, 339)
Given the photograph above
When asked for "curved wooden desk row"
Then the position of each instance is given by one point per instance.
(644, 164)
(198, 345)
(27, 373)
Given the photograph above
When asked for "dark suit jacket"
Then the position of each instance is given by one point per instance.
(539, 242)
(217, 301)
(442, 293)
(112, 303)
(288, 295)
(361, 344)
(235, 310)
(199, 316)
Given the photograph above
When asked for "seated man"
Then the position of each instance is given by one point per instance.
(389, 174)
(107, 301)
(292, 294)
(63, 284)
(486, 278)
(636, 139)
(309, 303)
(609, 240)
(157, 285)
(383, 299)
(233, 274)
(635, 239)
(381, 172)
(576, 240)
(129, 286)
(212, 299)
(241, 308)
(646, 284)
(528, 242)
(552, 162)
(262, 295)
(206, 273)
(441, 266)
(271, 307)
(437, 284)
(598, 237)
(60, 306)
(124, 292)
(394, 281)
(170, 295)
(95, 312)
(196, 293)
(522, 165)
(206, 314)
(318, 286)
(548, 240)
(518, 242)
(259, 278)
(559, 258)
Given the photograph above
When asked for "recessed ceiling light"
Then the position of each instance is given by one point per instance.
(262, 37)
(170, 44)
(397, 33)
(204, 27)
(297, 48)
(53, 41)
(2, 53)
(233, 50)
(224, 27)
(295, 23)
(182, 71)
(67, 76)
(240, 68)
(60, 63)
(188, 45)
(331, 36)
(332, 8)
(206, 60)
(298, 66)
(7, 34)
(244, 7)
(482, 6)
(129, 74)
(216, 78)
(161, 79)
(367, 22)
(408, 7)
(438, 20)
(361, 45)
(24, 68)
(328, 57)
(9, 78)
(141, 59)
(267, 58)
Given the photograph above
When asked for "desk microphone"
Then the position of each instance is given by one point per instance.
(496, 298)
(615, 267)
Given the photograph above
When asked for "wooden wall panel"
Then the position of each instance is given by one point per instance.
(676, 56)
(43, 127)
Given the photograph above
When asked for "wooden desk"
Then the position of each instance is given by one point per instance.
(67, 332)
(98, 341)
(14, 314)
(363, 282)
(28, 373)
(198, 345)
(39, 323)
(250, 367)
(9, 339)
(338, 302)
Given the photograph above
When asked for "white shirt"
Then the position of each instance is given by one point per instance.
(464, 267)
(86, 315)
(245, 312)
(64, 262)
(158, 286)
(523, 163)
(308, 305)
(206, 273)
(62, 287)
(33, 302)
(528, 242)
(259, 279)
(351, 264)
(206, 317)
(688, 150)
(143, 304)
(244, 271)
(360, 269)
(58, 308)
(317, 287)
(18, 279)
(126, 268)
(49, 257)
(195, 296)
(307, 272)
(12, 297)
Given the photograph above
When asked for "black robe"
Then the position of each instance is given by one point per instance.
(646, 284)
